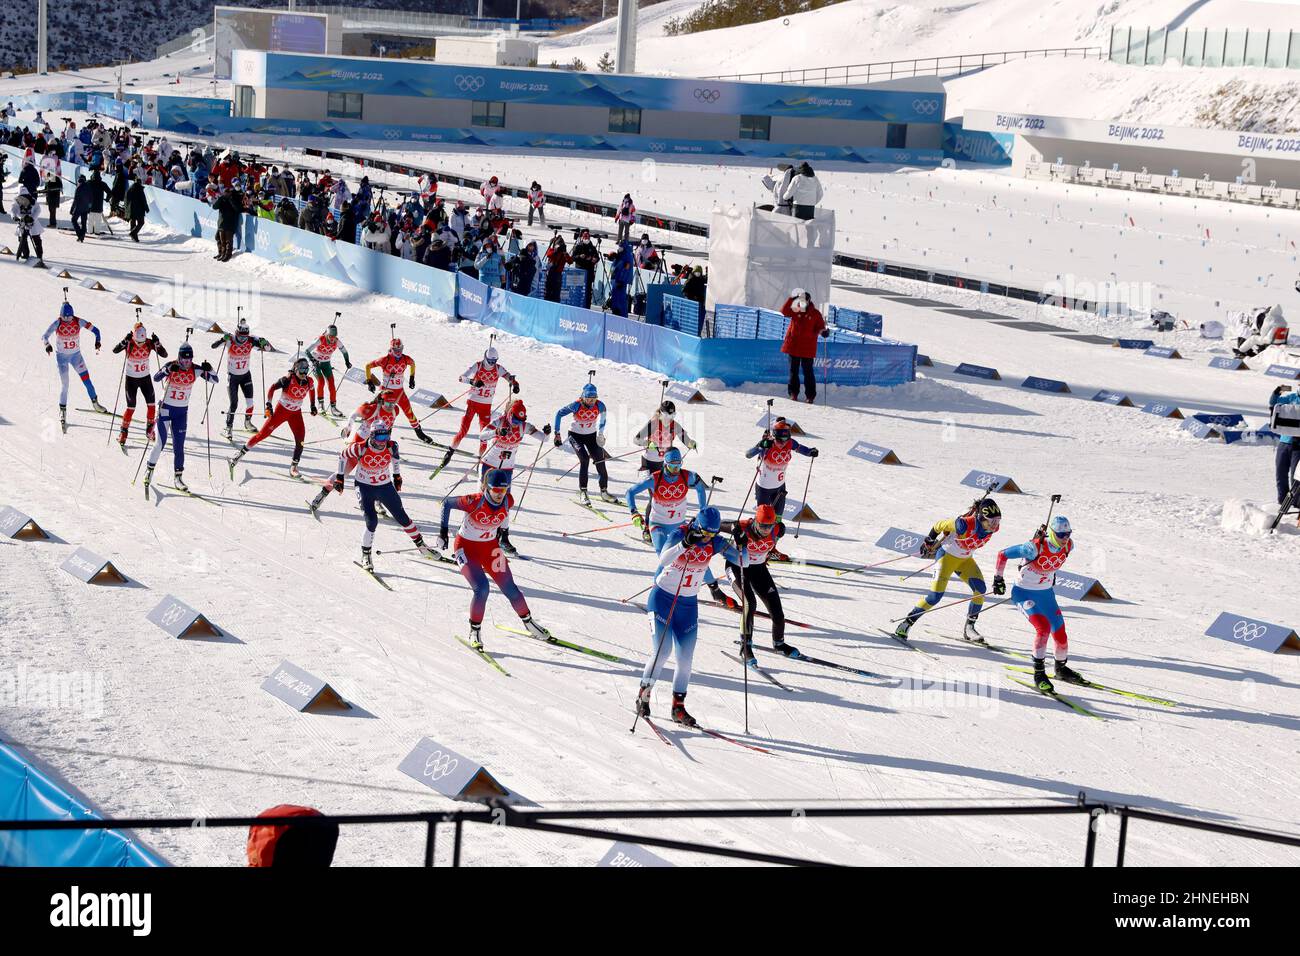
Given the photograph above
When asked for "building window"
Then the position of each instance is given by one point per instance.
(624, 120)
(244, 101)
(896, 136)
(488, 114)
(756, 127)
(344, 106)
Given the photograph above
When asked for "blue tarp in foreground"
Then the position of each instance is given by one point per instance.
(27, 794)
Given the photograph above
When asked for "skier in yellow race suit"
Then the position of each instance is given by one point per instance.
(962, 537)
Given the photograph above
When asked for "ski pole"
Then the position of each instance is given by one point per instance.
(220, 359)
(612, 527)
(637, 595)
(143, 452)
(611, 458)
(448, 405)
(117, 397)
(918, 570)
(804, 501)
(964, 600)
(206, 402)
(867, 567)
(529, 480)
(714, 481)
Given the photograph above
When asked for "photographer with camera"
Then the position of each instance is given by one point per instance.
(1287, 455)
(28, 226)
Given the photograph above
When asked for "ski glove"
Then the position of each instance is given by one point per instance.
(442, 540)
(343, 432)
(337, 483)
(813, 453)
(929, 547)
(999, 584)
(397, 482)
(600, 439)
(313, 410)
(514, 388)
(637, 519)
(692, 445)
(49, 349)
(477, 383)
(371, 383)
(268, 410)
(546, 429)
(558, 440)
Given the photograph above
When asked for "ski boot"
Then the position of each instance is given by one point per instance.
(715, 590)
(1068, 674)
(583, 498)
(904, 626)
(476, 636)
(334, 410)
(121, 437)
(366, 561)
(40, 264)
(293, 470)
(63, 418)
(1040, 676)
(776, 554)
(314, 505)
(446, 460)
(179, 483)
(643, 701)
(747, 652)
(535, 629)
(229, 433)
(248, 423)
(789, 650)
(420, 434)
(680, 716)
(606, 496)
(148, 479)
(94, 404)
(232, 462)
(503, 539)
(969, 633)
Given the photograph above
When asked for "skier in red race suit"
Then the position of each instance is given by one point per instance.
(392, 365)
(482, 378)
(478, 549)
(293, 388)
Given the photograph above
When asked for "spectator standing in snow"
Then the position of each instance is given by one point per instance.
(625, 216)
(800, 344)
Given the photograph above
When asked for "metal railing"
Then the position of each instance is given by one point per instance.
(564, 823)
(903, 69)
(1203, 47)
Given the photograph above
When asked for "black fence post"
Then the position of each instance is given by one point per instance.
(430, 841)
(1090, 850)
(1123, 836)
(455, 852)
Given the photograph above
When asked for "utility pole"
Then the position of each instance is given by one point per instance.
(625, 57)
(42, 41)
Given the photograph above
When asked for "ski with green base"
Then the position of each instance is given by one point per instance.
(1113, 690)
(1073, 705)
(590, 507)
(377, 579)
(580, 648)
(905, 643)
(753, 666)
(187, 493)
(821, 662)
(479, 652)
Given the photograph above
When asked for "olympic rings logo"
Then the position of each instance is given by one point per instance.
(469, 84)
(925, 107)
(906, 542)
(439, 765)
(392, 134)
(671, 492)
(707, 96)
(173, 614)
(657, 147)
(489, 519)
(1248, 630)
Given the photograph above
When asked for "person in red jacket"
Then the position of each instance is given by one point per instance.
(806, 323)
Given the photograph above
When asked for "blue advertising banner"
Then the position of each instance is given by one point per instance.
(296, 71)
(976, 146)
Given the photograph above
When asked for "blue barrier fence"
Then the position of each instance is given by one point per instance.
(858, 360)
(682, 315)
(27, 794)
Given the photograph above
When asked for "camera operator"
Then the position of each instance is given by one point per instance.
(1287, 455)
(28, 225)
